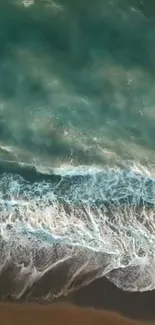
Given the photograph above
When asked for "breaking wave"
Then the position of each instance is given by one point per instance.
(62, 231)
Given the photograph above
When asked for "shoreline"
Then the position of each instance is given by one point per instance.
(101, 294)
(58, 314)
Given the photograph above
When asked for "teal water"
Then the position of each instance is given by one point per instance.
(77, 186)
(77, 82)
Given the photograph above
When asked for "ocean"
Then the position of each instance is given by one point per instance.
(77, 158)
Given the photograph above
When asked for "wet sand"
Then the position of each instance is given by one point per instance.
(17, 314)
(99, 295)
(102, 294)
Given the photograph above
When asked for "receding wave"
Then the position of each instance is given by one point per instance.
(66, 229)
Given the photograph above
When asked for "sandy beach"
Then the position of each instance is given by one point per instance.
(16, 314)
(98, 303)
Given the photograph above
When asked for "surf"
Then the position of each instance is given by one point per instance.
(83, 223)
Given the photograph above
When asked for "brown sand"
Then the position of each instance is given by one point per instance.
(102, 294)
(58, 314)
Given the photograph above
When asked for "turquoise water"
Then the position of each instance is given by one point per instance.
(77, 82)
(77, 186)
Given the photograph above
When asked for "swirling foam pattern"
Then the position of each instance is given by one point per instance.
(82, 224)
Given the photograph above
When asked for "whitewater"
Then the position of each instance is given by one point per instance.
(77, 152)
(77, 225)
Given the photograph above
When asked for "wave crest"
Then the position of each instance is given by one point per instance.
(83, 225)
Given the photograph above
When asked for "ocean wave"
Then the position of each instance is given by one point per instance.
(73, 226)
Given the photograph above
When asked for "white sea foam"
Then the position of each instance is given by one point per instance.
(104, 212)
